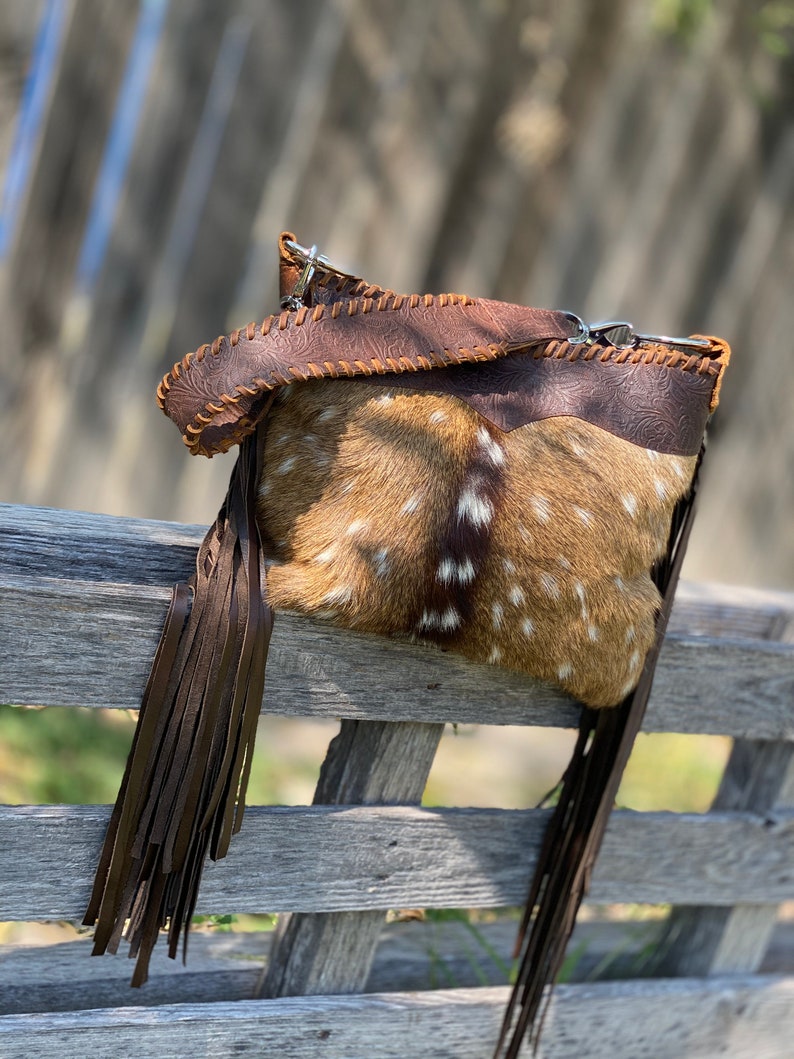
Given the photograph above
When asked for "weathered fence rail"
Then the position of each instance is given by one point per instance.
(82, 599)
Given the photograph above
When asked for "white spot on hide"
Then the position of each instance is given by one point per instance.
(564, 671)
(445, 622)
(411, 504)
(497, 614)
(550, 586)
(475, 509)
(584, 516)
(527, 626)
(340, 594)
(629, 501)
(541, 507)
(494, 451)
(437, 417)
(516, 595)
(286, 465)
(356, 526)
(577, 448)
(326, 555)
(578, 588)
(449, 571)
(495, 656)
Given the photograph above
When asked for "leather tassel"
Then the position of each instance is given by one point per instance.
(183, 791)
(574, 834)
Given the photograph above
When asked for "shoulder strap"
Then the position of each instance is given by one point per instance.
(335, 325)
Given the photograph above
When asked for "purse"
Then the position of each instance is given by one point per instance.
(510, 483)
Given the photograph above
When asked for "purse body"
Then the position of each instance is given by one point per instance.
(407, 512)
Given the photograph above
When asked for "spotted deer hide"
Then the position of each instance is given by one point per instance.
(491, 478)
(530, 549)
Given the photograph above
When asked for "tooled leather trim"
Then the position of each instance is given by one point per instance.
(285, 373)
(222, 405)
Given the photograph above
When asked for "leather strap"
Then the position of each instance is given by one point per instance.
(514, 365)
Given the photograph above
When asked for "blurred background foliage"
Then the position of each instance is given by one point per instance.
(618, 158)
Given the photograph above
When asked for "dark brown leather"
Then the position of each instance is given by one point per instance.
(183, 791)
(641, 400)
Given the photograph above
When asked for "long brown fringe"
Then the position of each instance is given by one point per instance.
(574, 833)
(183, 791)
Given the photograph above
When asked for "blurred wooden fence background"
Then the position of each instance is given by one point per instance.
(605, 156)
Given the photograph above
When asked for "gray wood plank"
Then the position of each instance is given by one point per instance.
(411, 955)
(736, 1017)
(107, 633)
(97, 579)
(328, 858)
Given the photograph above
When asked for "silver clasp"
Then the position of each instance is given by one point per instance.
(622, 335)
(310, 259)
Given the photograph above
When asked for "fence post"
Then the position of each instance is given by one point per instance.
(368, 763)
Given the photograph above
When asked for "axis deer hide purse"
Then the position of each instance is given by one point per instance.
(507, 482)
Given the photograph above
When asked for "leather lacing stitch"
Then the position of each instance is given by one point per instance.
(668, 358)
(387, 300)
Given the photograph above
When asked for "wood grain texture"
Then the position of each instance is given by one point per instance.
(700, 940)
(411, 955)
(61, 574)
(736, 1017)
(226, 966)
(328, 858)
(367, 763)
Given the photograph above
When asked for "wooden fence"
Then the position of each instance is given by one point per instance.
(573, 154)
(83, 598)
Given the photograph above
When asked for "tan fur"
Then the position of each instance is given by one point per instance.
(360, 482)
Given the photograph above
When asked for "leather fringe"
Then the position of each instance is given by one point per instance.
(576, 829)
(183, 791)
